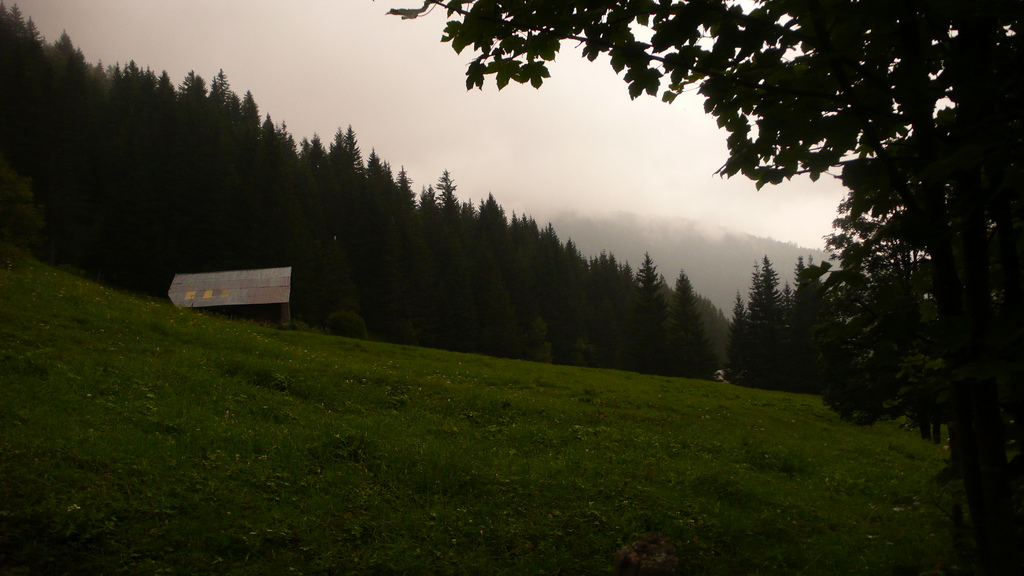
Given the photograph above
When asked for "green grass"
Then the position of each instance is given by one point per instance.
(140, 438)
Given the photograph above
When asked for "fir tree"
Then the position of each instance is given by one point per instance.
(609, 288)
(348, 149)
(716, 327)
(406, 198)
(690, 352)
(647, 337)
(765, 329)
(802, 349)
(738, 349)
(250, 112)
(222, 96)
(446, 197)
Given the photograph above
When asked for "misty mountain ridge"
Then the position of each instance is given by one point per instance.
(718, 261)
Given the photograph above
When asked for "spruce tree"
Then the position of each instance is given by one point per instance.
(446, 197)
(765, 326)
(559, 277)
(349, 150)
(689, 350)
(406, 198)
(716, 328)
(647, 336)
(222, 96)
(452, 314)
(498, 333)
(250, 112)
(609, 288)
(738, 349)
(802, 349)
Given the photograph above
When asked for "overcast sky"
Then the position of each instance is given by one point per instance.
(577, 144)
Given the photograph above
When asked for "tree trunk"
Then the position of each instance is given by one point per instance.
(924, 427)
(976, 410)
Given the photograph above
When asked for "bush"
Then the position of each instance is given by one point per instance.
(347, 323)
(300, 326)
(20, 219)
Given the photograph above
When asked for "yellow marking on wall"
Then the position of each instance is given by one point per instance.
(225, 292)
(208, 294)
(190, 295)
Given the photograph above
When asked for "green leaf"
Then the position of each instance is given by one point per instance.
(502, 78)
(475, 74)
(536, 72)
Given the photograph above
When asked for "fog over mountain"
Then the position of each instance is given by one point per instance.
(718, 261)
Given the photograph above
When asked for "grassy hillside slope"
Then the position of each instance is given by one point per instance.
(140, 438)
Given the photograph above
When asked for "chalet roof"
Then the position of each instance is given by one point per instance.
(231, 288)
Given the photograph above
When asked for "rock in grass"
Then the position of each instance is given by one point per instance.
(652, 555)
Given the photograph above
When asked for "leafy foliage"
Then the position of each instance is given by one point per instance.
(873, 326)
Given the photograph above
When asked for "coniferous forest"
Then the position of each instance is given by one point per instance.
(137, 177)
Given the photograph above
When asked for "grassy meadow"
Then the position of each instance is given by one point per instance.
(142, 439)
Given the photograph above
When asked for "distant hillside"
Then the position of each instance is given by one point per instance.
(718, 262)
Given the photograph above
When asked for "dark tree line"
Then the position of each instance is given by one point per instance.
(772, 340)
(140, 178)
